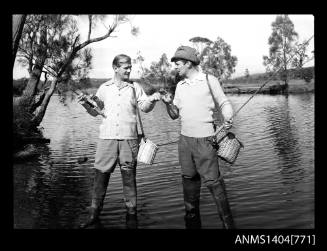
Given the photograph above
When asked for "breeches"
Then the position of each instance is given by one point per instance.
(197, 156)
(111, 152)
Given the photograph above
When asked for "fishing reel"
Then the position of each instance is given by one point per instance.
(90, 102)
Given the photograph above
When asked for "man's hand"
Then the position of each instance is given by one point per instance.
(155, 97)
(228, 124)
(172, 110)
(167, 98)
(81, 99)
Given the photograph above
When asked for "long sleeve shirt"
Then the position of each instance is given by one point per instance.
(120, 109)
(196, 105)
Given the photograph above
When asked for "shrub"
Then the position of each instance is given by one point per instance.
(19, 86)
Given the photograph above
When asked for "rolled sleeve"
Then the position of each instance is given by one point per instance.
(143, 100)
(176, 100)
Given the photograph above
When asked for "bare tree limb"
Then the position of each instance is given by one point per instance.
(90, 27)
(76, 39)
(82, 45)
(31, 57)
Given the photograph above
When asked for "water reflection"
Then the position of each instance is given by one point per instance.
(284, 124)
(53, 191)
(284, 135)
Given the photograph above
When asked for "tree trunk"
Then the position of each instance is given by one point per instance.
(17, 30)
(27, 98)
(22, 106)
(285, 90)
(40, 111)
(37, 101)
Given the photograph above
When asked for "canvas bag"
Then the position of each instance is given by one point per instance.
(147, 149)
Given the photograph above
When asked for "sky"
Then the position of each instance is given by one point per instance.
(246, 34)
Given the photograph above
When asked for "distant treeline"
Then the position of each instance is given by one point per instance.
(306, 73)
(19, 84)
(88, 83)
(96, 82)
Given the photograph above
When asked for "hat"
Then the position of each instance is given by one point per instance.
(186, 52)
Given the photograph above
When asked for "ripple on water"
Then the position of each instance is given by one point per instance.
(271, 185)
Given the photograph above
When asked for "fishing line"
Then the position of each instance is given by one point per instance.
(273, 75)
(168, 143)
(270, 78)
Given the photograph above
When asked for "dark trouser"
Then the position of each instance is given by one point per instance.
(199, 161)
(218, 192)
(191, 190)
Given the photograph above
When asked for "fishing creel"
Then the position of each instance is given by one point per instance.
(228, 146)
(147, 150)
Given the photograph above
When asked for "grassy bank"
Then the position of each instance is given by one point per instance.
(272, 87)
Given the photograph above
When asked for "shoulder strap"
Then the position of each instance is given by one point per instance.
(138, 111)
(215, 117)
(211, 92)
(217, 130)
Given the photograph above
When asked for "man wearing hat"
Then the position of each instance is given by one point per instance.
(194, 104)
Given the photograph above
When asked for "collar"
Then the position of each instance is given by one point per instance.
(123, 84)
(109, 82)
(200, 77)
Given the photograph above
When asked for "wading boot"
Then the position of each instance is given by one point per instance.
(219, 195)
(191, 190)
(131, 221)
(129, 189)
(100, 185)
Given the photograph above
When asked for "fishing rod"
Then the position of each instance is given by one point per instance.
(222, 126)
(273, 75)
(88, 100)
(162, 91)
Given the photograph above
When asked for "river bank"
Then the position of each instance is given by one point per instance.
(295, 86)
(272, 87)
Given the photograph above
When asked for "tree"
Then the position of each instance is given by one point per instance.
(300, 58)
(246, 73)
(216, 59)
(307, 74)
(199, 43)
(300, 54)
(51, 45)
(281, 44)
(158, 71)
(17, 30)
(159, 75)
(139, 61)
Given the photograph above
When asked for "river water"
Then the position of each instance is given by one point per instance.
(270, 186)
